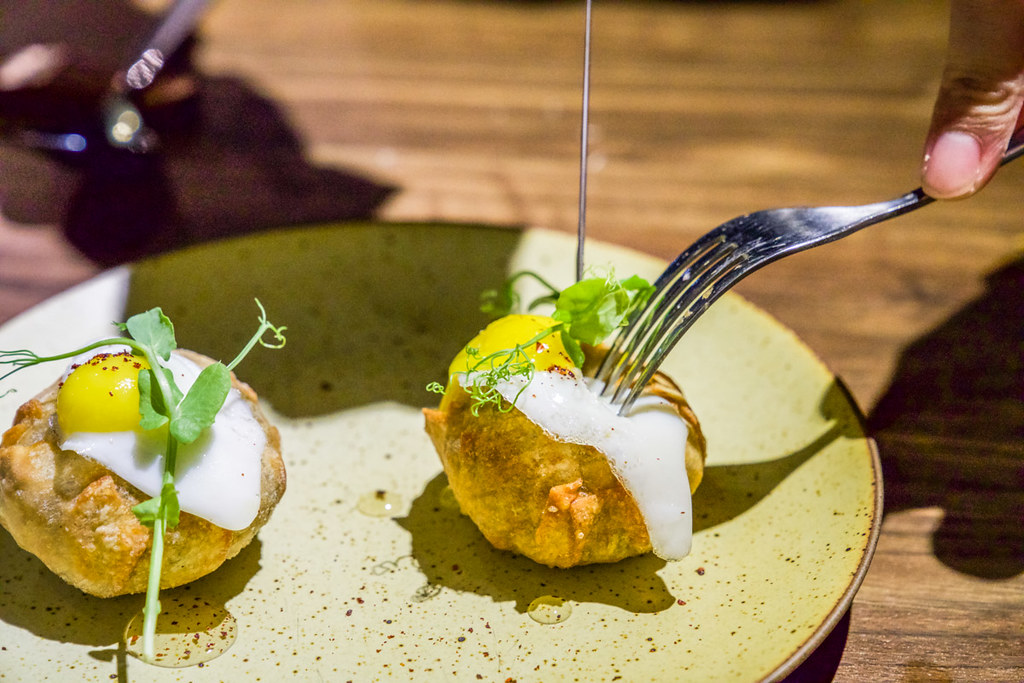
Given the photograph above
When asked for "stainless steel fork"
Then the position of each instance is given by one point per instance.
(720, 259)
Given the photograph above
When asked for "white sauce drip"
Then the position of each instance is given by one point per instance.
(218, 475)
(646, 449)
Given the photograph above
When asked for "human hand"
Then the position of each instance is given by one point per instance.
(979, 103)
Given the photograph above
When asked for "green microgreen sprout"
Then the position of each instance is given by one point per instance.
(505, 299)
(161, 402)
(588, 312)
(487, 371)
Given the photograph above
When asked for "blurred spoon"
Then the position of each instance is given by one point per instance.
(123, 124)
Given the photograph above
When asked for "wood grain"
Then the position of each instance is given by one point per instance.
(703, 111)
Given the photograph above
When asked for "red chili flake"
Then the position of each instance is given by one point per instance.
(541, 347)
(700, 571)
(566, 372)
(680, 602)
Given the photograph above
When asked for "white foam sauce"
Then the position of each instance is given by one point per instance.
(217, 476)
(646, 449)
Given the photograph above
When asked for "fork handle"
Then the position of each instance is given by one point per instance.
(849, 219)
(1014, 149)
(915, 199)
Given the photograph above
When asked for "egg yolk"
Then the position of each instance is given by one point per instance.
(101, 395)
(547, 353)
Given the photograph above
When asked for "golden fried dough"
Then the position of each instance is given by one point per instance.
(557, 503)
(76, 515)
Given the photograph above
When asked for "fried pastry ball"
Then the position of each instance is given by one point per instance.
(529, 490)
(75, 514)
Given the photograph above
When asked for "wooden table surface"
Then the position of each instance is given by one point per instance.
(469, 111)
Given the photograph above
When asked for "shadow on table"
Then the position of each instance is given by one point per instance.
(229, 166)
(227, 162)
(822, 664)
(950, 429)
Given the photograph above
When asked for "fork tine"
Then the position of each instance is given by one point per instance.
(633, 342)
(680, 309)
(677, 322)
(628, 337)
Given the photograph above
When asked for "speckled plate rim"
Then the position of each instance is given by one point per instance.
(843, 601)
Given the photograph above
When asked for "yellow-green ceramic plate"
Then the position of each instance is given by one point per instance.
(786, 518)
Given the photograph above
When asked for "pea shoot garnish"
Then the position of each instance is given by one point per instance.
(162, 404)
(587, 312)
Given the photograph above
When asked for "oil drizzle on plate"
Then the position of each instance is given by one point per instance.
(548, 609)
(380, 503)
(189, 632)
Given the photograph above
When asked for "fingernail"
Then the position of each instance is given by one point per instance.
(952, 166)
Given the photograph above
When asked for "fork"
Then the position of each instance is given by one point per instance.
(720, 259)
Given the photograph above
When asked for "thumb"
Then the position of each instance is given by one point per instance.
(979, 102)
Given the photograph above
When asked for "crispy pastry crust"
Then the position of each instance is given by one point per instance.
(76, 515)
(557, 503)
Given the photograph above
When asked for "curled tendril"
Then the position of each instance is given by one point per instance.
(19, 359)
(257, 338)
(267, 326)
